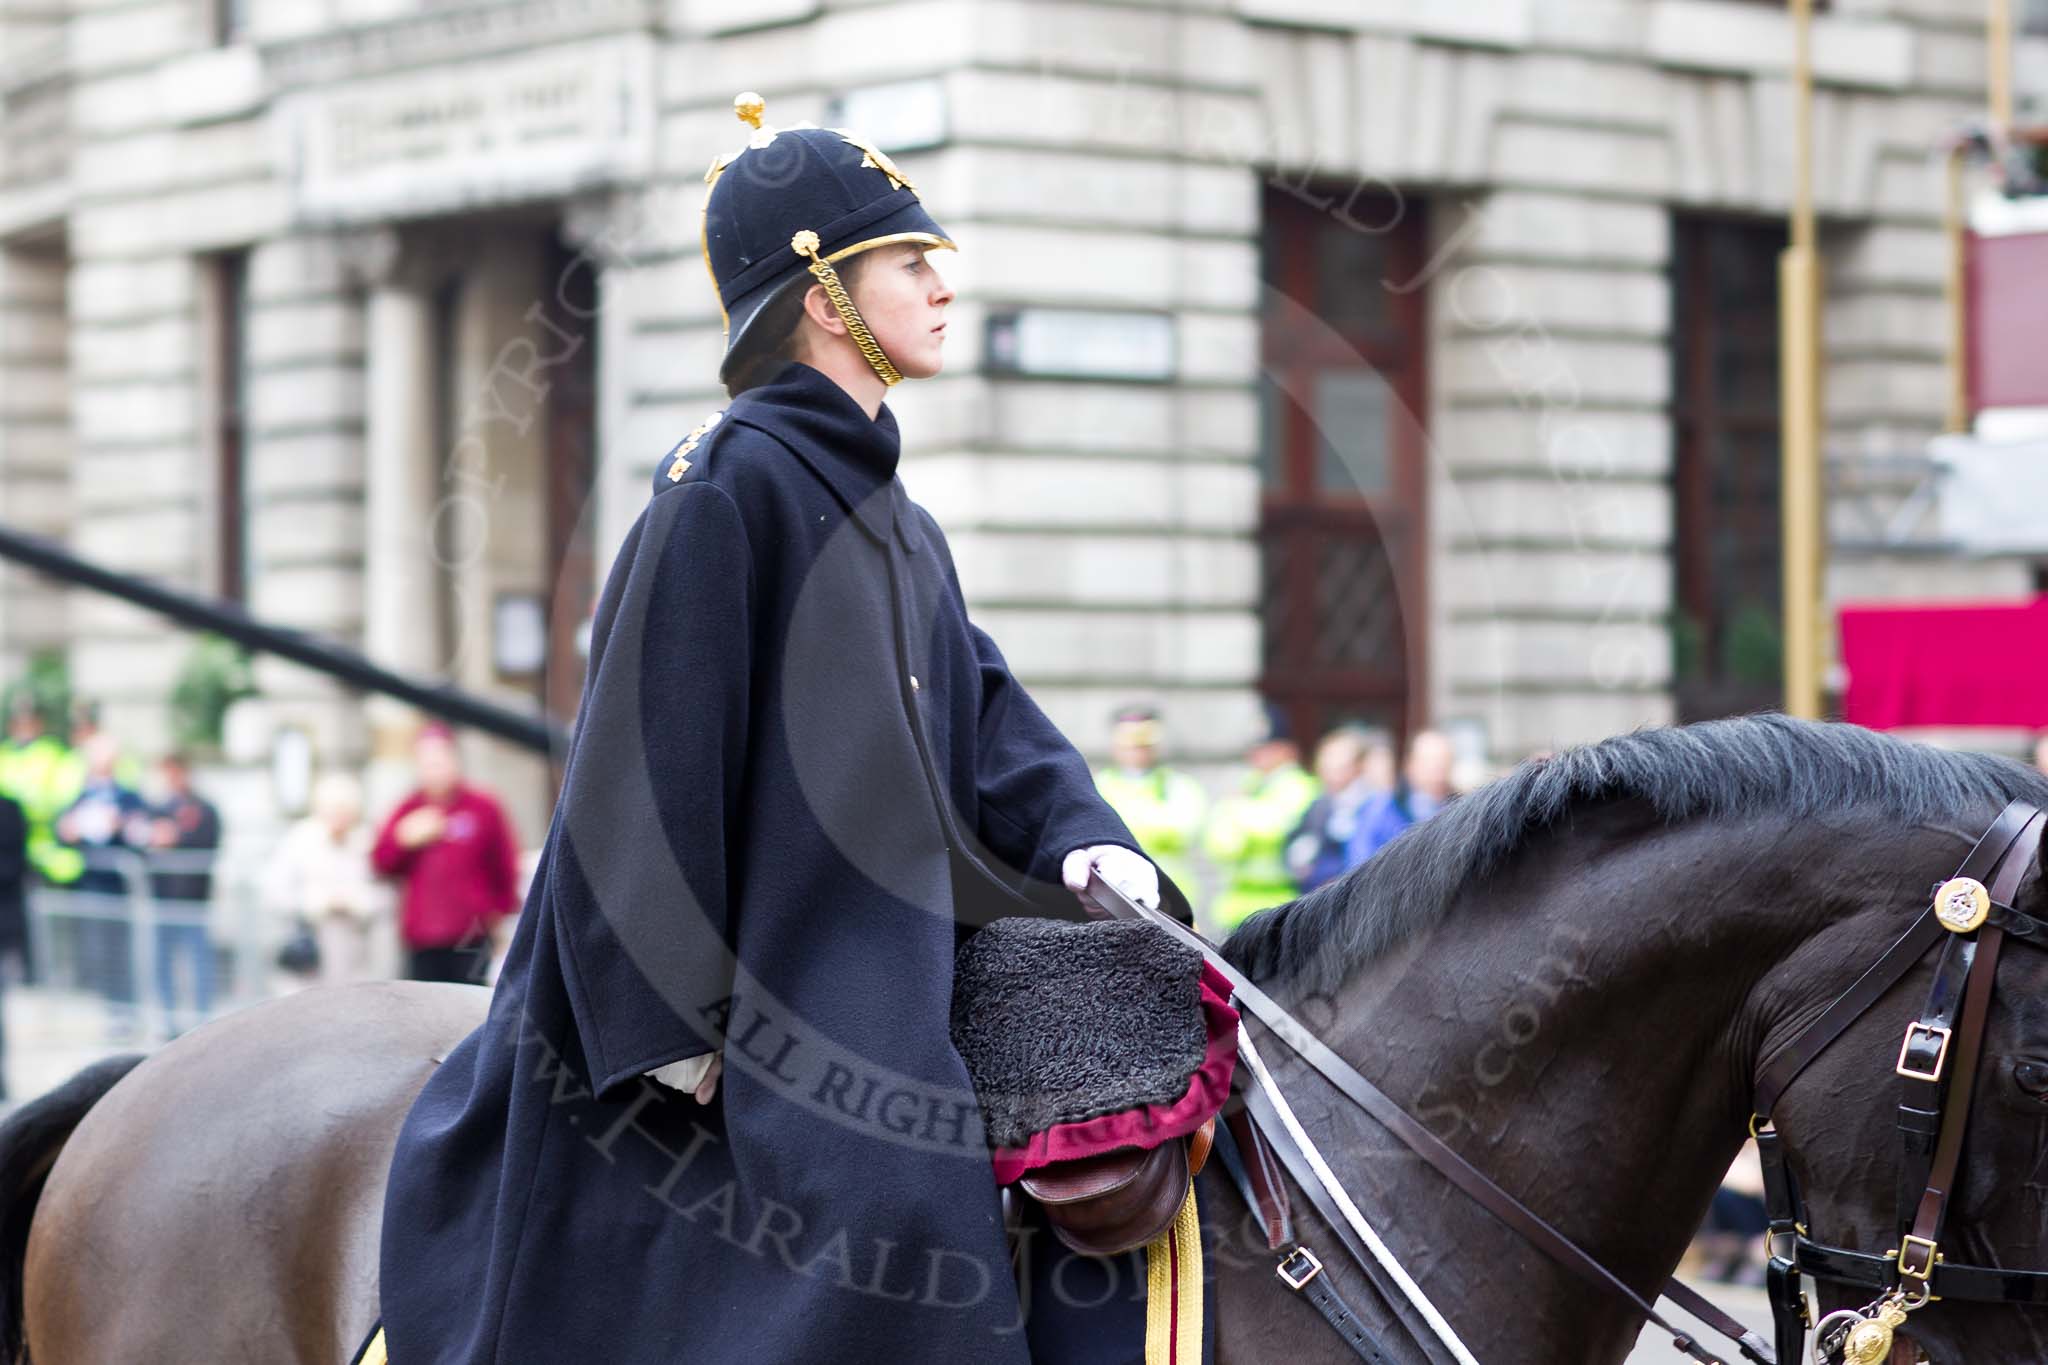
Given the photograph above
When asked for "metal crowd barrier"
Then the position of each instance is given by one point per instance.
(127, 963)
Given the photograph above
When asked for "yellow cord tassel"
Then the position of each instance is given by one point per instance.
(805, 243)
(1173, 1290)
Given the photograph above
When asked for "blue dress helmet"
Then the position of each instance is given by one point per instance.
(786, 207)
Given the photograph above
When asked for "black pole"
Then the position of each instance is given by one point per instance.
(451, 704)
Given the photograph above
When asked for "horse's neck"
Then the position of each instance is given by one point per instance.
(1582, 1031)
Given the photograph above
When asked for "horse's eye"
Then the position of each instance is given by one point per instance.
(2032, 1078)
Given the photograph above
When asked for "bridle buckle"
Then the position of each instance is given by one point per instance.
(1775, 1238)
(1923, 1270)
(1941, 1033)
(1295, 1279)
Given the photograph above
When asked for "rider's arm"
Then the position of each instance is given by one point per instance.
(637, 878)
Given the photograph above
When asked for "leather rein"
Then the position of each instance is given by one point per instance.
(1937, 1063)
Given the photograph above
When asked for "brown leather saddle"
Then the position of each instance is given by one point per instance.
(1101, 1054)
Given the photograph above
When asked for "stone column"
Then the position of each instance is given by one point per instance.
(609, 233)
(493, 530)
(35, 443)
(140, 465)
(401, 625)
(1550, 504)
(402, 587)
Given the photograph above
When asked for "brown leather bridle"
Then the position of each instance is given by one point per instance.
(1937, 1069)
(1937, 1065)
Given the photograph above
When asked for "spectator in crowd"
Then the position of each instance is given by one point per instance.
(182, 834)
(85, 724)
(1347, 761)
(2041, 754)
(45, 775)
(1423, 790)
(13, 901)
(1162, 807)
(1382, 772)
(453, 848)
(97, 824)
(1247, 835)
(321, 877)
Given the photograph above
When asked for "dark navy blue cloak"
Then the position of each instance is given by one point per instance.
(800, 777)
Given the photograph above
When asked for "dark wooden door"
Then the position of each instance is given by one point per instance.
(1727, 632)
(1343, 390)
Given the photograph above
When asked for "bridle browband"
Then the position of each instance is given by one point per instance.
(1937, 1065)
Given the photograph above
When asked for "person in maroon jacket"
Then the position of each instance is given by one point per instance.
(458, 857)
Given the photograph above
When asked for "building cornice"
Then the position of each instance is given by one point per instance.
(446, 31)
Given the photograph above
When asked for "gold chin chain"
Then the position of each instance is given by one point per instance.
(805, 243)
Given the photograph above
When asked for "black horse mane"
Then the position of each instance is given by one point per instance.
(1765, 764)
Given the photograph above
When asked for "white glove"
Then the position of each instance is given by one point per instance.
(1130, 873)
(697, 1074)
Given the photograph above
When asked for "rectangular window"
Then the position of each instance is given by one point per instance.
(1727, 629)
(230, 303)
(1342, 397)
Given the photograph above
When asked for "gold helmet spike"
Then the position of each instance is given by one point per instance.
(747, 107)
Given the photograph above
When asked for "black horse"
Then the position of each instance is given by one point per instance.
(1573, 976)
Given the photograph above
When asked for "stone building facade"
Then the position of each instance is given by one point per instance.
(1408, 362)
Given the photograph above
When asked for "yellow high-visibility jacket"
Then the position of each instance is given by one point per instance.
(1247, 840)
(45, 776)
(1164, 809)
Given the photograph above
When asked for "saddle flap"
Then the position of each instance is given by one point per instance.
(1088, 1177)
(1109, 1204)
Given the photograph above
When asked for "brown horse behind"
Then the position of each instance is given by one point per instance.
(220, 1201)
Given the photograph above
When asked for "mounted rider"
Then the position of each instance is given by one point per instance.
(801, 777)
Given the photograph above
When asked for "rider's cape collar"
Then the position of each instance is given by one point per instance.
(855, 455)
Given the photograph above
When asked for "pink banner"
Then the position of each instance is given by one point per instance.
(1946, 664)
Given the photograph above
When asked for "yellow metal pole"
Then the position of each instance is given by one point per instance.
(1998, 51)
(1958, 283)
(1799, 494)
(1800, 400)
(1802, 124)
